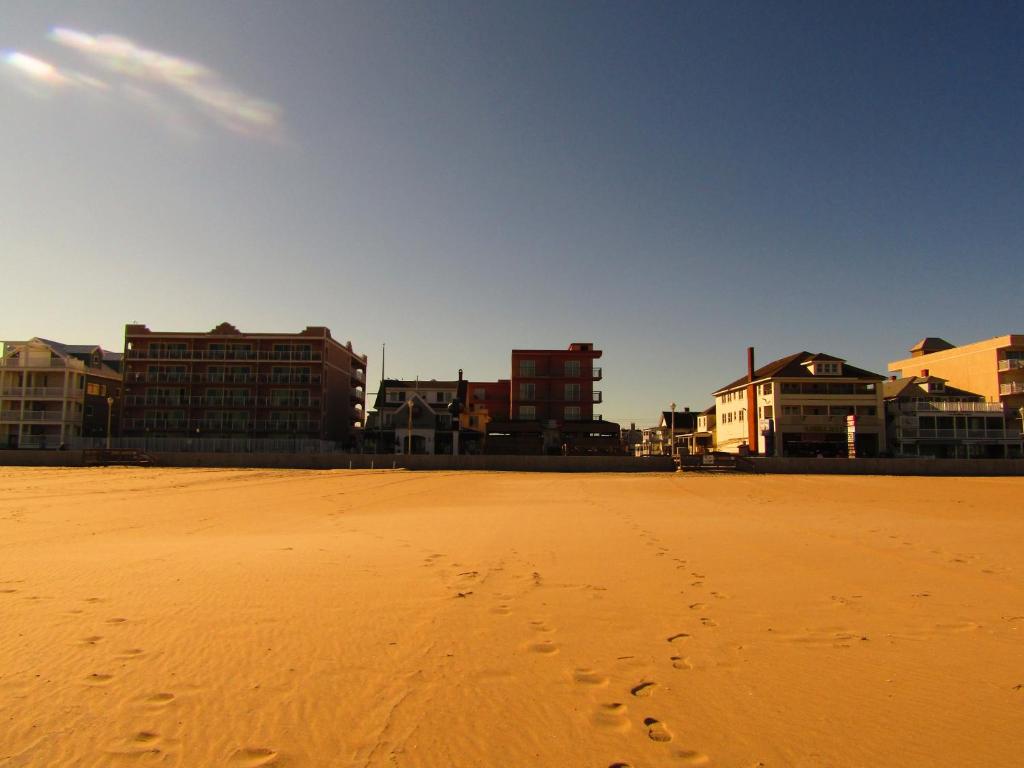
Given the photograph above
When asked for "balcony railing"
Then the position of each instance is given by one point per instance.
(28, 362)
(596, 396)
(156, 425)
(597, 375)
(950, 406)
(1012, 388)
(287, 426)
(821, 420)
(158, 378)
(40, 392)
(358, 375)
(206, 354)
(43, 416)
(1011, 365)
(137, 401)
(960, 434)
(223, 402)
(555, 372)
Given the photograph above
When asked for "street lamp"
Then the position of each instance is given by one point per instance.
(110, 413)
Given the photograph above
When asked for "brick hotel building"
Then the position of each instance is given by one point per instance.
(229, 384)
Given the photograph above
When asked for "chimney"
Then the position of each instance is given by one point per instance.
(751, 403)
(892, 378)
(686, 410)
(924, 373)
(460, 374)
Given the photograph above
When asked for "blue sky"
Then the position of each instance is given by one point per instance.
(671, 181)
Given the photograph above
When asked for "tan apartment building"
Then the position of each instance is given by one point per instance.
(993, 368)
(803, 406)
(228, 385)
(52, 393)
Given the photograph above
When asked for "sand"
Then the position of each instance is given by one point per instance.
(246, 618)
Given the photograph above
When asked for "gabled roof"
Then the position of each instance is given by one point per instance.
(683, 420)
(930, 344)
(418, 386)
(910, 388)
(792, 367)
(821, 357)
(710, 410)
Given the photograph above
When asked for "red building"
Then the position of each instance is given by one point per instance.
(229, 384)
(550, 405)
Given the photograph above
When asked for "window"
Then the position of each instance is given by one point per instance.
(88, 410)
(768, 412)
(572, 368)
(790, 388)
(572, 413)
(572, 392)
(791, 410)
(527, 367)
(479, 393)
(92, 388)
(439, 397)
(936, 386)
(766, 388)
(866, 410)
(527, 391)
(527, 412)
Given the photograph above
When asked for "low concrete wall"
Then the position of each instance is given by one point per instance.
(32, 458)
(930, 467)
(363, 461)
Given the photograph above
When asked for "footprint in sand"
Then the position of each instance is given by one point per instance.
(681, 662)
(130, 653)
(116, 620)
(545, 647)
(253, 757)
(612, 717)
(657, 730)
(501, 610)
(708, 622)
(160, 699)
(540, 626)
(693, 757)
(92, 639)
(698, 606)
(645, 688)
(677, 637)
(589, 677)
(98, 678)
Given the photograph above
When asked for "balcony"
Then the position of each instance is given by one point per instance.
(303, 379)
(41, 393)
(157, 378)
(50, 417)
(283, 426)
(597, 375)
(225, 378)
(156, 425)
(596, 396)
(222, 402)
(954, 406)
(359, 375)
(1012, 388)
(54, 364)
(288, 402)
(220, 425)
(834, 422)
(139, 401)
(1011, 365)
(207, 354)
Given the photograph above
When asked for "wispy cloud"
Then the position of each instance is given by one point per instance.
(163, 78)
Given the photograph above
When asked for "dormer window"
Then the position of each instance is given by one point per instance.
(936, 386)
(827, 369)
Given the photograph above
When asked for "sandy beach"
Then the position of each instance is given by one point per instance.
(248, 618)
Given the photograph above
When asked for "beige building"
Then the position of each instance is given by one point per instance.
(803, 404)
(993, 368)
(51, 393)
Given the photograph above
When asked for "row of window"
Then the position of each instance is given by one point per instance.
(528, 391)
(529, 412)
(398, 396)
(570, 368)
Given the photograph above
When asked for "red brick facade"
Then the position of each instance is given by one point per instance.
(226, 383)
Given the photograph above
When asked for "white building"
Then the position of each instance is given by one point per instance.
(803, 404)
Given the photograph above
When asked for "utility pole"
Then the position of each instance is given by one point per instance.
(672, 439)
(408, 404)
